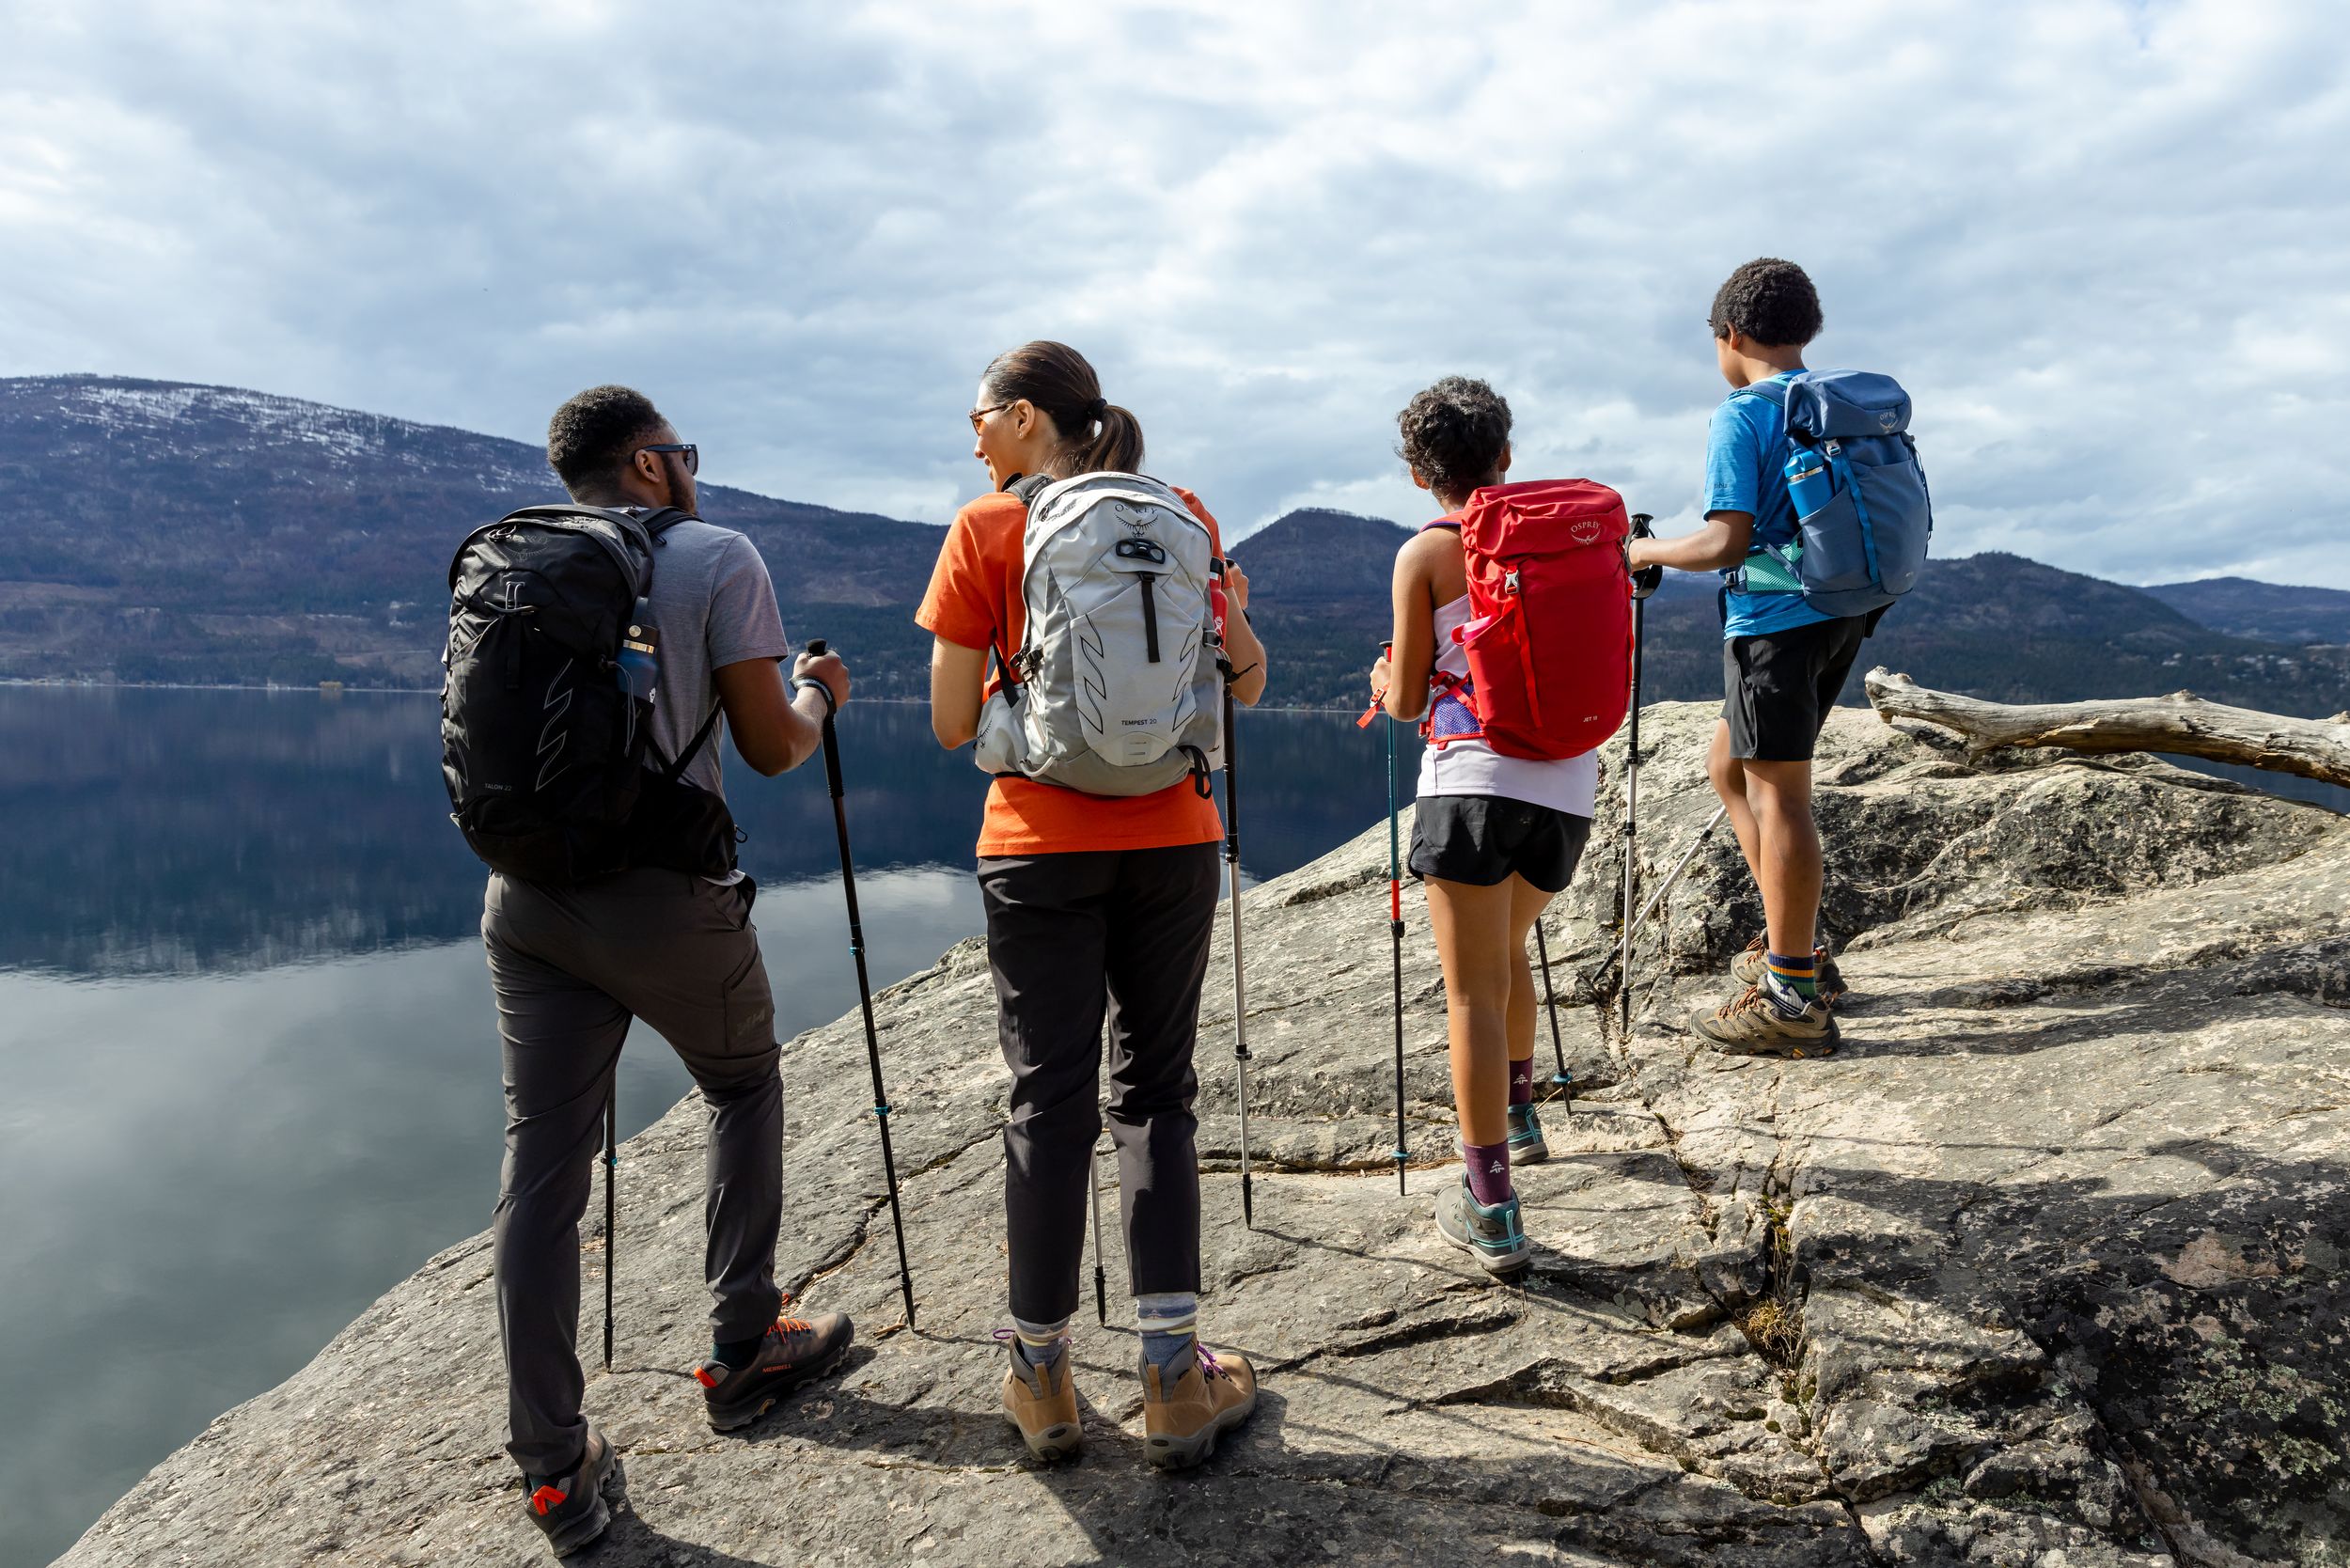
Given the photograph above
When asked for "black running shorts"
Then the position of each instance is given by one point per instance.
(1778, 688)
(1481, 839)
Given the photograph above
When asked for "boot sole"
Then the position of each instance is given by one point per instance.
(1535, 1152)
(733, 1418)
(1057, 1441)
(1167, 1452)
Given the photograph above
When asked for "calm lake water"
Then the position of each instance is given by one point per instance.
(248, 1061)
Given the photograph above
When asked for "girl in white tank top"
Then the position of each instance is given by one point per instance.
(1494, 837)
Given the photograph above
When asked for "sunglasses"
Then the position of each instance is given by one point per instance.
(687, 449)
(980, 414)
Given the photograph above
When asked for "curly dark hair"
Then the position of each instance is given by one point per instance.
(1454, 434)
(590, 437)
(1770, 301)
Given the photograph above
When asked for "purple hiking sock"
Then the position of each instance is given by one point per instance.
(1488, 1172)
(1522, 1082)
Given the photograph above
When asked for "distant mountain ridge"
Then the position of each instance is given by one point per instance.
(162, 531)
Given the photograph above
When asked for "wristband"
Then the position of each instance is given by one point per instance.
(806, 682)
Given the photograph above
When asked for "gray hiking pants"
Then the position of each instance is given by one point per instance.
(572, 967)
(1070, 938)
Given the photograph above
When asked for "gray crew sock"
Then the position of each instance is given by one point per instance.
(1169, 1321)
(1039, 1344)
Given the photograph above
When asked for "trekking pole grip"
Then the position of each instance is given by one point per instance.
(832, 752)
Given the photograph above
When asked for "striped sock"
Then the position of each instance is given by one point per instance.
(1040, 1343)
(1522, 1082)
(1792, 983)
(1170, 1320)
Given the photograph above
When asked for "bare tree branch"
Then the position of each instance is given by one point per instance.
(2180, 722)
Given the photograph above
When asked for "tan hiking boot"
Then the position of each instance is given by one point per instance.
(1748, 967)
(1215, 1394)
(1042, 1403)
(1752, 1026)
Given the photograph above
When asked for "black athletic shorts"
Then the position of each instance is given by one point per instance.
(1481, 839)
(1778, 688)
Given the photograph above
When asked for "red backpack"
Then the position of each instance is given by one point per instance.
(1549, 635)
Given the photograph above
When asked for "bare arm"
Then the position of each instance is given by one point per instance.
(958, 682)
(1722, 542)
(1404, 670)
(1242, 649)
(773, 732)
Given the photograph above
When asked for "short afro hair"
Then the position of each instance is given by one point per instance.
(591, 437)
(1454, 434)
(1770, 301)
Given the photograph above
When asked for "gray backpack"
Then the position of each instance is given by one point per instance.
(1113, 691)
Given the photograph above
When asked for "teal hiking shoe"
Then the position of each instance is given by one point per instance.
(1492, 1236)
(1526, 1144)
(570, 1510)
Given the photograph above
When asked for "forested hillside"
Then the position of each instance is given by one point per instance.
(154, 531)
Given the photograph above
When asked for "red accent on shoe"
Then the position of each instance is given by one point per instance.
(548, 1497)
(701, 1376)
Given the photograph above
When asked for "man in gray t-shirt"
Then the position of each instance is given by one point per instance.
(573, 966)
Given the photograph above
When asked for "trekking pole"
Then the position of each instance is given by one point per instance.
(611, 1172)
(1100, 1288)
(1240, 997)
(1632, 792)
(864, 992)
(1562, 1078)
(1680, 866)
(1395, 933)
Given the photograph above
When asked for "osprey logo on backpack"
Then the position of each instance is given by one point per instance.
(1114, 689)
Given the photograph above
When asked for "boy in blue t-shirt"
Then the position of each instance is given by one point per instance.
(1782, 665)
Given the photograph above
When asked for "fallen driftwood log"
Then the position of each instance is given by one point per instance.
(2181, 722)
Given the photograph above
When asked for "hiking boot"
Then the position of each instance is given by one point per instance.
(1527, 1145)
(569, 1509)
(1752, 1026)
(797, 1350)
(1041, 1401)
(1215, 1394)
(1492, 1235)
(1748, 967)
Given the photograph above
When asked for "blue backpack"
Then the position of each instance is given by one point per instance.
(1862, 514)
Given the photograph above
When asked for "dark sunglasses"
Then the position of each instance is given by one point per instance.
(692, 454)
(980, 414)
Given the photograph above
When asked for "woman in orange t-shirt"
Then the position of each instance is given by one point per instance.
(1097, 907)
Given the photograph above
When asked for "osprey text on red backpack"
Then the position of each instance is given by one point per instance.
(1549, 635)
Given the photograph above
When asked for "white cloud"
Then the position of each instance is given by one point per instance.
(2099, 241)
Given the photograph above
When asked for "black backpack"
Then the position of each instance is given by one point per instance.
(551, 769)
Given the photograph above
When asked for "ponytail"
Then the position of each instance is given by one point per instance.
(1096, 435)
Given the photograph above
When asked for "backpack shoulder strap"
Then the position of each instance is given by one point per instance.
(677, 770)
(1770, 389)
(1027, 487)
(661, 520)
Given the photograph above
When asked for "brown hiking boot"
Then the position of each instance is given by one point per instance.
(1041, 1401)
(1215, 1394)
(1748, 967)
(1752, 1026)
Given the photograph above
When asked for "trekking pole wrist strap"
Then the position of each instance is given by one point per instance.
(809, 682)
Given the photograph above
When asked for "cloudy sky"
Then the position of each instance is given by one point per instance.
(2102, 243)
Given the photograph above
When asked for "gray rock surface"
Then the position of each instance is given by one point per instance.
(2050, 1266)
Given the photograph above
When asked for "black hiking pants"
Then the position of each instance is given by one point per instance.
(572, 967)
(1074, 939)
